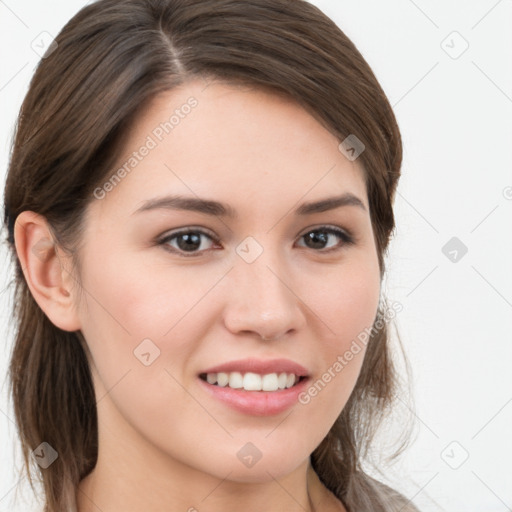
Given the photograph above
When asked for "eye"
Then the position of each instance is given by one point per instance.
(187, 241)
(318, 238)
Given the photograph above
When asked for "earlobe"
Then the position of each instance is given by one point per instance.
(47, 275)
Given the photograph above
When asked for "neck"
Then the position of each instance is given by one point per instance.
(301, 491)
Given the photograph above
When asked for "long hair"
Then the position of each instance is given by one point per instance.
(106, 64)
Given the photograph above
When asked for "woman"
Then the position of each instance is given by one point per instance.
(198, 201)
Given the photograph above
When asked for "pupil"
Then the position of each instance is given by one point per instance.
(318, 239)
(192, 241)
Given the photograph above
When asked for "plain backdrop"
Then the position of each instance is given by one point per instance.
(447, 70)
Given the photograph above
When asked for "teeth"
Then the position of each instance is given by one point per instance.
(270, 382)
(221, 378)
(253, 381)
(236, 380)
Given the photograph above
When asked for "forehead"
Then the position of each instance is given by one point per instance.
(235, 143)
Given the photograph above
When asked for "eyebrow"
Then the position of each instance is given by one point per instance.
(210, 207)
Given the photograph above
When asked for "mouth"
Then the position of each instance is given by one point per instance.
(250, 381)
(256, 387)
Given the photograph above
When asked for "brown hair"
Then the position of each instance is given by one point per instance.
(111, 59)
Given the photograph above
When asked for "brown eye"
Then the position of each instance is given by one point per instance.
(186, 241)
(190, 242)
(319, 238)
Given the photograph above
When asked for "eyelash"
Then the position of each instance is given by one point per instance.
(346, 237)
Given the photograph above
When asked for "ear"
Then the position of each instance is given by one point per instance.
(46, 270)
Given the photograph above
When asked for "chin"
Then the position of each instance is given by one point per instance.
(259, 473)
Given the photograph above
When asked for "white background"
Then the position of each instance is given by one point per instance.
(455, 119)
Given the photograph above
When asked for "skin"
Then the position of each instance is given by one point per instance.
(164, 443)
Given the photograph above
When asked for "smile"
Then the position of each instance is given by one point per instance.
(251, 381)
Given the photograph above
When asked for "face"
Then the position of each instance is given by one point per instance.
(173, 291)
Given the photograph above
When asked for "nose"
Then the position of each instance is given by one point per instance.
(262, 301)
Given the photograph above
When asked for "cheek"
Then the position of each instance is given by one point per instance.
(136, 300)
(141, 324)
(346, 302)
(345, 307)
(140, 327)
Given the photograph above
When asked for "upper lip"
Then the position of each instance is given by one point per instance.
(260, 366)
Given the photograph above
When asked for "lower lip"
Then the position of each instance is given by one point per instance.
(257, 403)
